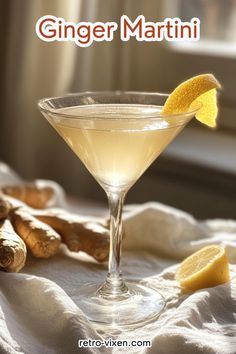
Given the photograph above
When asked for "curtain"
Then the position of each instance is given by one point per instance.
(32, 69)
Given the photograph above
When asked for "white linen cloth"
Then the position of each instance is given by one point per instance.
(39, 315)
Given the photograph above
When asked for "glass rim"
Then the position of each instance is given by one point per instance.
(158, 116)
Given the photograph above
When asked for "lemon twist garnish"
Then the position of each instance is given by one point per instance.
(205, 268)
(198, 91)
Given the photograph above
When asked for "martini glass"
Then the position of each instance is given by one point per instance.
(117, 135)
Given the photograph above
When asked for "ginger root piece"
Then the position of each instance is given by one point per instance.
(4, 207)
(12, 248)
(41, 239)
(78, 233)
(32, 194)
(41, 231)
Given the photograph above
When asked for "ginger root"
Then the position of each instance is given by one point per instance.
(78, 233)
(4, 208)
(41, 239)
(43, 230)
(12, 248)
(33, 194)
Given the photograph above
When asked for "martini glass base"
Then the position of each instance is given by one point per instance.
(139, 305)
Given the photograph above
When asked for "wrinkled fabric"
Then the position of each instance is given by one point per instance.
(38, 306)
(39, 312)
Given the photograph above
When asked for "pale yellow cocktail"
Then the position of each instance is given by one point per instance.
(115, 149)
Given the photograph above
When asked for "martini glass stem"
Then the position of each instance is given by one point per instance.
(114, 285)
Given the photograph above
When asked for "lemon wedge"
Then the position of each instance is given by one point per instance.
(198, 91)
(205, 268)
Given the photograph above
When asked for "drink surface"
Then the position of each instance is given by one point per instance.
(116, 142)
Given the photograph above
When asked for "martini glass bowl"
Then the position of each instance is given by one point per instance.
(117, 135)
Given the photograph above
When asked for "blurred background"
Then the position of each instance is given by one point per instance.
(197, 172)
